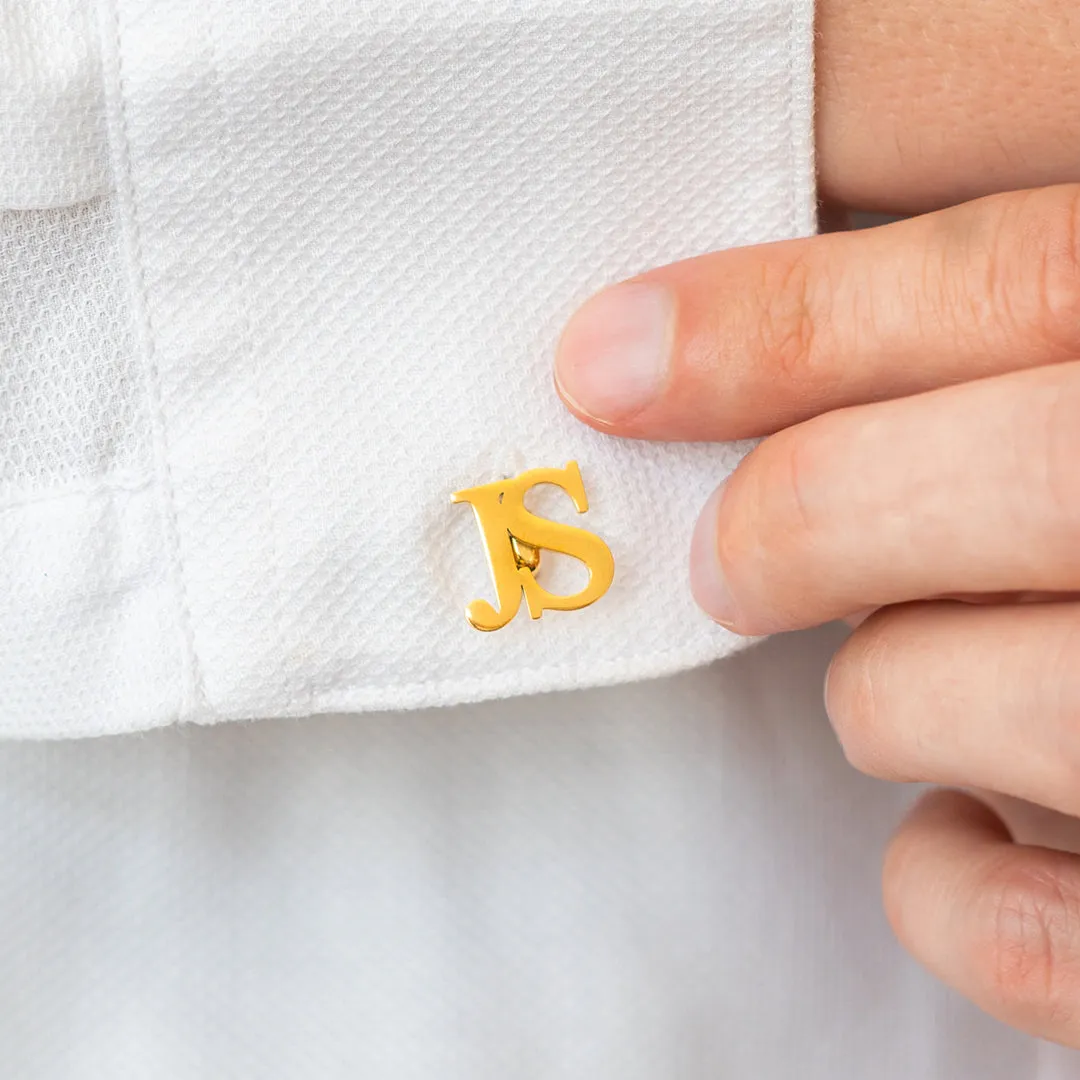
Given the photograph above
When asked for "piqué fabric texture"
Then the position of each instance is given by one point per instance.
(52, 125)
(341, 241)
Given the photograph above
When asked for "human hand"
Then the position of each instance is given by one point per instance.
(920, 387)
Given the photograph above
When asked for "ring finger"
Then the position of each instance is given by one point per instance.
(985, 697)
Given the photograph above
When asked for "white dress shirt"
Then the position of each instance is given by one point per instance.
(275, 280)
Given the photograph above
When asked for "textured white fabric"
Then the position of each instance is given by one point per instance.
(672, 880)
(351, 236)
(85, 597)
(71, 411)
(675, 879)
(53, 149)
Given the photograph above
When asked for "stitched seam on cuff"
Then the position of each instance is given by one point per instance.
(193, 696)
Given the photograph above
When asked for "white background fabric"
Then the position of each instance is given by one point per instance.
(675, 879)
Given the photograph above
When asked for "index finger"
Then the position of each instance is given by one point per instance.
(745, 342)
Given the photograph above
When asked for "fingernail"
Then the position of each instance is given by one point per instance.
(707, 581)
(614, 354)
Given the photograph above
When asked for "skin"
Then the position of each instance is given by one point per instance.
(919, 389)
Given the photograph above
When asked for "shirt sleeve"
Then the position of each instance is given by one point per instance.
(308, 286)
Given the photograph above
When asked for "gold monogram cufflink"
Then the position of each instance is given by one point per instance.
(514, 537)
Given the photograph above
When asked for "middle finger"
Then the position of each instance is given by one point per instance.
(974, 488)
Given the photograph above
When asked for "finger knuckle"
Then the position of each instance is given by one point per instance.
(1048, 236)
(789, 321)
(1028, 946)
(1008, 274)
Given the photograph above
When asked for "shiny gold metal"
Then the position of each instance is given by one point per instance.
(513, 538)
(525, 555)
